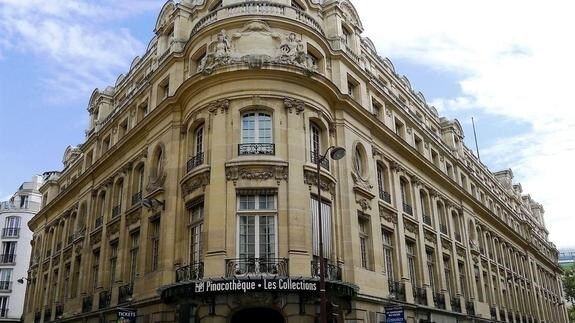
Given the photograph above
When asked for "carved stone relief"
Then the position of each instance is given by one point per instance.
(257, 173)
(430, 237)
(310, 178)
(292, 104)
(132, 218)
(198, 181)
(387, 216)
(360, 182)
(221, 105)
(256, 45)
(364, 204)
(409, 227)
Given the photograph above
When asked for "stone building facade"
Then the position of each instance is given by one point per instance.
(194, 195)
(15, 243)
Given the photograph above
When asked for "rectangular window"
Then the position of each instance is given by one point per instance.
(462, 280)
(154, 244)
(387, 238)
(447, 269)
(113, 261)
(431, 269)
(163, 89)
(364, 242)
(257, 226)
(8, 252)
(411, 261)
(435, 158)
(5, 279)
(325, 225)
(4, 306)
(24, 201)
(418, 144)
(95, 269)
(376, 108)
(66, 282)
(134, 248)
(76, 277)
(196, 215)
(399, 129)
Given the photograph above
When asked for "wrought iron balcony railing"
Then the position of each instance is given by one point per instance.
(195, 161)
(458, 236)
(420, 295)
(105, 297)
(98, 222)
(324, 162)
(333, 272)
(116, 210)
(191, 272)
(136, 198)
(5, 285)
(7, 258)
(256, 149)
(125, 293)
(396, 290)
(87, 304)
(407, 209)
(443, 228)
(427, 219)
(385, 196)
(456, 304)
(257, 266)
(10, 232)
(439, 300)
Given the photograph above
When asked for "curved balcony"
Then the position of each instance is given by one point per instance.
(332, 272)
(251, 8)
(257, 266)
(191, 272)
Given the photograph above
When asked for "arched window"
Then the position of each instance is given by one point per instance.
(441, 214)
(425, 208)
(359, 158)
(196, 149)
(256, 134)
(81, 221)
(406, 196)
(456, 226)
(101, 209)
(316, 144)
(118, 194)
(138, 184)
(383, 182)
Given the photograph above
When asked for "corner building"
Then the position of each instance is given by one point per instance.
(194, 196)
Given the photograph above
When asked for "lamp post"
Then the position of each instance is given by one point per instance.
(336, 154)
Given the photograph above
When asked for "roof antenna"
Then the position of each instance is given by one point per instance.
(475, 136)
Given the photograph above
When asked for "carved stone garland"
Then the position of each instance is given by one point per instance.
(258, 173)
(310, 178)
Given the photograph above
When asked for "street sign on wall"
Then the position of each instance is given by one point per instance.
(394, 314)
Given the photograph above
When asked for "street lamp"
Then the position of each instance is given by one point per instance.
(336, 154)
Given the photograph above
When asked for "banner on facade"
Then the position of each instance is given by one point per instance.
(126, 315)
(256, 285)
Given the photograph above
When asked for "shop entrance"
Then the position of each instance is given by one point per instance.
(258, 315)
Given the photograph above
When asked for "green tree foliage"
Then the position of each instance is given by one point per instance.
(569, 286)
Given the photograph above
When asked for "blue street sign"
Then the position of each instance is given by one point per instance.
(394, 314)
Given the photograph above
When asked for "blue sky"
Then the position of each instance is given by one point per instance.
(507, 64)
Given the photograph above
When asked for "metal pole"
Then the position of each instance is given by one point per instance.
(475, 136)
(323, 307)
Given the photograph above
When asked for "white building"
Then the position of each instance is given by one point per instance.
(15, 253)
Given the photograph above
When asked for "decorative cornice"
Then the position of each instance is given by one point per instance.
(197, 181)
(310, 178)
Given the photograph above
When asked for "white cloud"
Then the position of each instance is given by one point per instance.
(512, 59)
(78, 46)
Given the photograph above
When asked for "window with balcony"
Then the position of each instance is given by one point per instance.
(456, 226)
(196, 225)
(316, 145)
(133, 255)
(118, 195)
(383, 183)
(5, 279)
(24, 201)
(11, 227)
(138, 184)
(8, 255)
(326, 223)
(405, 196)
(196, 149)
(448, 276)
(256, 136)
(462, 279)
(425, 208)
(76, 277)
(442, 215)
(100, 210)
(257, 233)
(431, 269)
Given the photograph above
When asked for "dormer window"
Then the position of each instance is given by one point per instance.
(346, 36)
